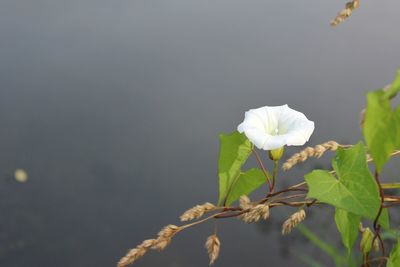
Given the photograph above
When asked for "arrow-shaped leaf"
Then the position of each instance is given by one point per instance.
(354, 191)
(235, 149)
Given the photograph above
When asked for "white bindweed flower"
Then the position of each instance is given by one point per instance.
(271, 128)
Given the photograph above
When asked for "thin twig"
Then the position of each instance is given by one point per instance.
(376, 224)
(261, 164)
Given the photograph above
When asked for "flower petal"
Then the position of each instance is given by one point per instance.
(274, 142)
(257, 137)
(270, 128)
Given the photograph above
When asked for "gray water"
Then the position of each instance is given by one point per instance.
(114, 109)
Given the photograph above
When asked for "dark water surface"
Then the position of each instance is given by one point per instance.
(114, 109)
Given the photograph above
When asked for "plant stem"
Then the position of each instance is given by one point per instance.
(376, 224)
(274, 174)
(261, 164)
(390, 186)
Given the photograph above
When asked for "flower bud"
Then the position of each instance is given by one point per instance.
(366, 241)
(276, 154)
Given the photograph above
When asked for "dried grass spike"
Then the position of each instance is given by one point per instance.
(136, 253)
(213, 246)
(264, 211)
(346, 12)
(165, 237)
(255, 214)
(293, 221)
(161, 243)
(316, 152)
(168, 231)
(196, 212)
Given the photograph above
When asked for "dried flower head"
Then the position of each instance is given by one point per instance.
(254, 214)
(316, 152)
(213, 246)
(136, 253)
(293, 221)
(346, 12)
(196, 212)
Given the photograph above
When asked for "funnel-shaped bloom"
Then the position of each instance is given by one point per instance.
(271, 128)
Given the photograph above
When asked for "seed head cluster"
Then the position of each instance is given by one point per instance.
(197, 211)
(316, 152)
(252, 213)
(136, 253)
(160, 243)
(293, 221)
(346, 12)
(213, 246)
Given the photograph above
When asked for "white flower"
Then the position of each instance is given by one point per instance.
(271, 128)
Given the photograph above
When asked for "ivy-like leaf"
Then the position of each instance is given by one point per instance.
(355, 191)
(347, 224)
(235, 149)
(246, 183)
(394, 258)
(381, 127)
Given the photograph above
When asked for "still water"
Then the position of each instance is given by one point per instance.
(113, 108)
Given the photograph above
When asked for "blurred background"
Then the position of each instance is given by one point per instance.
(112, 110)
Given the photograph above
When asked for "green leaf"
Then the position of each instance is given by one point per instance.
(246, 183)
(394, 87)
(384, 219)
(394, 258)
(235, 149)
(381, 127)
(347, 224)
(355, 191)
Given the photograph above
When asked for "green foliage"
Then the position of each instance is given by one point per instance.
(347, 224)
(394, 88)
(350, 188)
(355, 191)
(244, 184)
(384, 219)
(394, 258)
(235, 149)
(382, 124)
